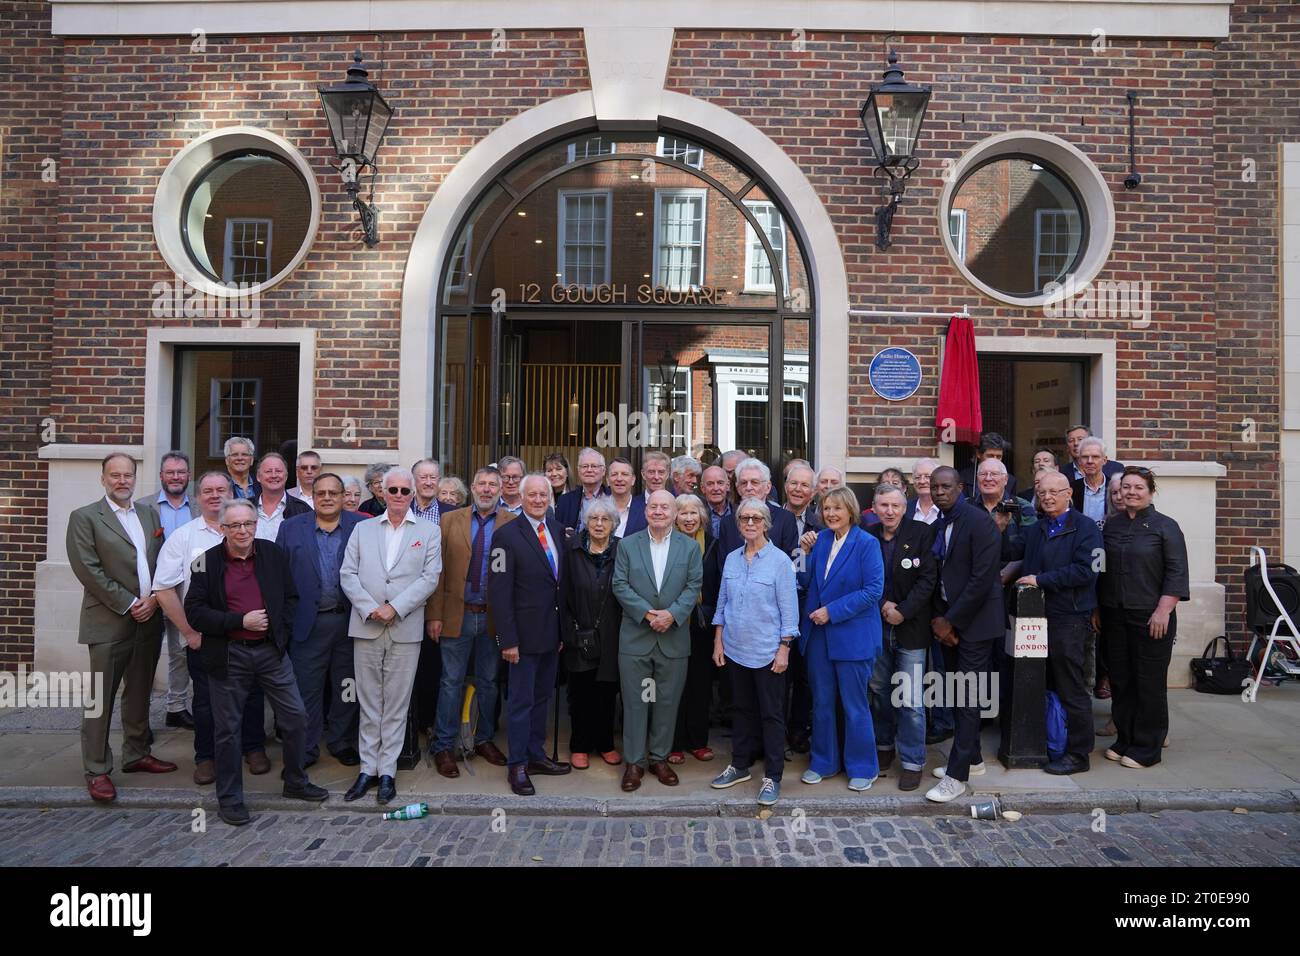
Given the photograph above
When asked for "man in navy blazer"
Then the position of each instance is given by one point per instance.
(969, 617)
(524, 594)
(591, 485)
(320, 646)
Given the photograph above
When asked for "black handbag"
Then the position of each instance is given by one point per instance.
(1220, 675)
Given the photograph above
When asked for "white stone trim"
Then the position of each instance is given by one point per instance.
(1289, 294)
(698, 119)
(87, 452)
(181, 172)
(159, 374)
(1103, 393)
(1086, 178)
(1055, 18)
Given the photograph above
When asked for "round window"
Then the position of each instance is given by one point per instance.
(1016, 224)
(246, 217)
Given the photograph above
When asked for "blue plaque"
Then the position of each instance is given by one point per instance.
(895, 374)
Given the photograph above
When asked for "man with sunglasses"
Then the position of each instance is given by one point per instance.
(390, 567)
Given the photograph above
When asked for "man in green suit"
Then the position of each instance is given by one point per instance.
(657, 578)
(113, 547)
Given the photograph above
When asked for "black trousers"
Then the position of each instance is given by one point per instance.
(1067, 640)
(798, 714)
(968, 658)
(757, 718)
(1139, 668)
(591, 712)
(249, 666)
(428, 677)
(693, 712)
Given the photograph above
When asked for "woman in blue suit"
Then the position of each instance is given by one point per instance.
(840, 640)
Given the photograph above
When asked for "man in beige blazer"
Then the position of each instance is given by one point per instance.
(458, 619)
(113, 547)
(390, 568)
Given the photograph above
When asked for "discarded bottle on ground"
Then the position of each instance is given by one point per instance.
(412, 811)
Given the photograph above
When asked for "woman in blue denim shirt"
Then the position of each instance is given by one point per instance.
(756, 620)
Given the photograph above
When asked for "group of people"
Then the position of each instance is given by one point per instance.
(353, 618)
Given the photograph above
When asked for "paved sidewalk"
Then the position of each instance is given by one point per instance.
(1223, 753)
(88, 837)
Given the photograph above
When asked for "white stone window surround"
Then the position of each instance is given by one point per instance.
(1088, 184)
(186, 165)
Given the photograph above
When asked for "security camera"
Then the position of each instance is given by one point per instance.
(1132, 180)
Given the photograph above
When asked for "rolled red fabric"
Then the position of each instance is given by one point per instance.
(958, 418)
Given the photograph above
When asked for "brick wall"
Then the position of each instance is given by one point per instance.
(29, 242)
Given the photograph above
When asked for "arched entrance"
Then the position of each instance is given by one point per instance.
(625, 291)
(809, 235)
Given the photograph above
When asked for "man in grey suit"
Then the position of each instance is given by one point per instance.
(390, 568)
(113, 549)
(657, 577)
(175, 509)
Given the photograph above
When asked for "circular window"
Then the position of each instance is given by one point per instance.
(237, 207)
(1022, 212)
(245, 217)
(1018, 224)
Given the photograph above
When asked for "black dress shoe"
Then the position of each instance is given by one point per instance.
(349, 757)
(1066, 765)
(180, 718)
(519, 782)
(358, 790)
(546, 767)
(236, 816)
(387, 789)
(308, 791)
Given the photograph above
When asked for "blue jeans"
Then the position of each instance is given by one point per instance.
(939, 718)
(904, 725)
(456, 653)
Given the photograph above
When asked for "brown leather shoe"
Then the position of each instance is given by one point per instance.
(885, 758)
(149, 764)
(632, 775)
(490, 752)
(664, 772)
(101, 788)
(258, 762)
(445, 762)
(205, 772)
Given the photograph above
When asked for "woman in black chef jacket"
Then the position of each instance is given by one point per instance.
(1145, 577)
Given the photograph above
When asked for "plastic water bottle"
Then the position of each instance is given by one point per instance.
(412, 811)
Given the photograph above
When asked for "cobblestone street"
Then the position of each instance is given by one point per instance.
(127, 838)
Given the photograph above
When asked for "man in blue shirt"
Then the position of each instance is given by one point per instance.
(175, 509)
(1089, 492)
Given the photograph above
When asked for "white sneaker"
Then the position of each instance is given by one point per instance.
(976, 770)
(945, 790)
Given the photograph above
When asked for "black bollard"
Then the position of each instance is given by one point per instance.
(1024, 726)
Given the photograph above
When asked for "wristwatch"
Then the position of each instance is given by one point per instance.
(787, 641)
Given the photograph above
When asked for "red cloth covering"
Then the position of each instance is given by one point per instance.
(958, 418)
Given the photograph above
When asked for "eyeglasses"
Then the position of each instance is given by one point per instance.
(750, 519)
(398, 491)
(1054, 492)
(241, 526)
(511, 479)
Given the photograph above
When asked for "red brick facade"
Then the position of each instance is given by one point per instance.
(79, 256)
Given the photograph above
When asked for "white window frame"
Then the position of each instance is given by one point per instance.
(227, 270)
(562, 197)
(659, 151)
(660, 196)
(961, 232)
(573, 148)
(216, 443)
(653, 437)
(753, 248)
(1039, 216)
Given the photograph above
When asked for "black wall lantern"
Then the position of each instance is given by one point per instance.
(358, 117)
(893, 116)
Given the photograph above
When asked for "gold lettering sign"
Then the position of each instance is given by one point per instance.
(620, 294)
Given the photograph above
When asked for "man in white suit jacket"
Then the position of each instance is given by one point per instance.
(390, 568)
